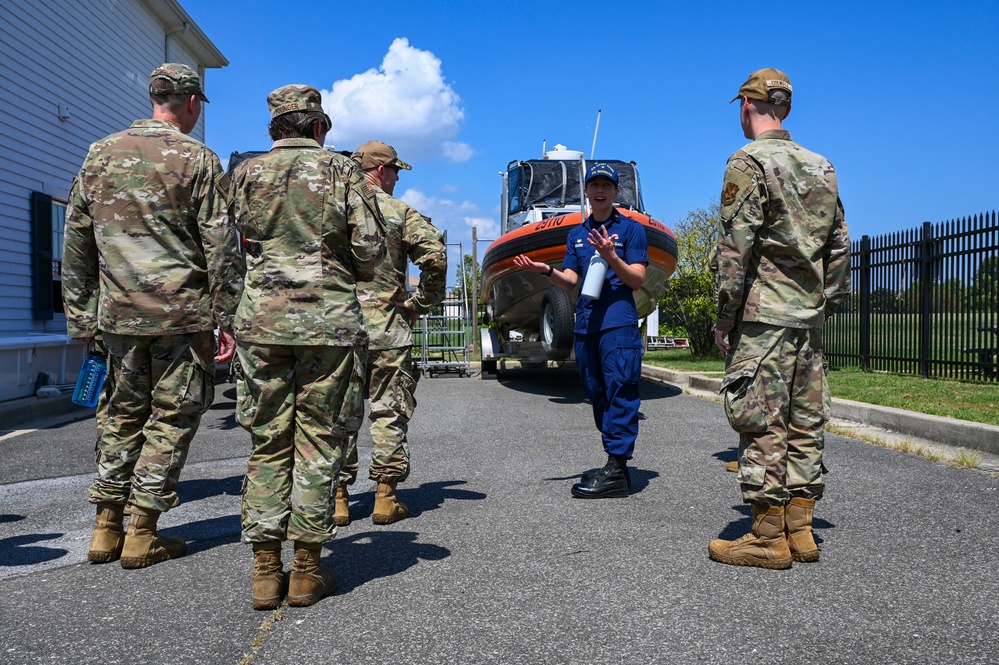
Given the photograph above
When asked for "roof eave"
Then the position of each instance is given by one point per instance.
(173, 17)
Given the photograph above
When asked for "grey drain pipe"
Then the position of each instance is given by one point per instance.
(166, 40)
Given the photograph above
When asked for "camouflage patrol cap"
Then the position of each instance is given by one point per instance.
(292, 98)
(762, 83)
(372, 154)
(179, 80)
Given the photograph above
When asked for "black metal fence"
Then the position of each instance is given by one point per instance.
(925, 301)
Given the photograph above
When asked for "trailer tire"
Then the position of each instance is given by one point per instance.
(556, 321)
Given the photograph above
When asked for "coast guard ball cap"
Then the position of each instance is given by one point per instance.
(175, 79)
(601, 170)
(292, 98)
(762, 83)
(372, 154)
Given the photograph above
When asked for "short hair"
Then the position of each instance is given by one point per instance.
(172, 102)
(778, 111)
(295, 125)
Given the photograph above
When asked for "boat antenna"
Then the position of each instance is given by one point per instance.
(596, 129)
(544, 146)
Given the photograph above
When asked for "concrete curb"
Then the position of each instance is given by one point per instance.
(938, 429)
(947, 431)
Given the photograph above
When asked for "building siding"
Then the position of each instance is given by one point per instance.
(95, 59)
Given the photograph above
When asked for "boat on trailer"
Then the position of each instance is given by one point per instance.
(528, 317)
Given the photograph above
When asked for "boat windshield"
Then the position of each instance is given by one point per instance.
(544, 183)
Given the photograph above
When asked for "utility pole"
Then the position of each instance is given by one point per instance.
(475, 280)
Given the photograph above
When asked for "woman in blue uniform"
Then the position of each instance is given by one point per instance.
(608, 345)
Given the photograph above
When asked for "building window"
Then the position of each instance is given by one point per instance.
(58, 231)
(48, 223)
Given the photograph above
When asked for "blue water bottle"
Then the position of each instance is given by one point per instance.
(91, 380)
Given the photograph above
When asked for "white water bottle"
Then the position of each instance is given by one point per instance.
(595, 274)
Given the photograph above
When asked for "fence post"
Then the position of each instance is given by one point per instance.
(925, 297)
(865, 303)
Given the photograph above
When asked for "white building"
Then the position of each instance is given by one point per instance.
(71, 72)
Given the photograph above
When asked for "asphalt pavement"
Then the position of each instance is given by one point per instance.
(498, 564)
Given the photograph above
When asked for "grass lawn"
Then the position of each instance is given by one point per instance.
(976, 402)
(681, 361)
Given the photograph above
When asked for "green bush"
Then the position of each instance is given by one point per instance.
(690, 297)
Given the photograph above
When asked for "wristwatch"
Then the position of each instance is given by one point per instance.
(551, 269)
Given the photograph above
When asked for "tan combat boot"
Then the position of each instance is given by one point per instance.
(764, 547)
(387, 507)
(341, 506)
(270, 584)
(143, 546)
(733, 466)
(798, 519)
(309, 580)
(109, 533)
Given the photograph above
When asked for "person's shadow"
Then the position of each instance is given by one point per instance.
(203, 535)
(193, 490)
(362, 557)
(551, 382)
(426, 497)
(22, 551)
(726, 456)
(651, 390)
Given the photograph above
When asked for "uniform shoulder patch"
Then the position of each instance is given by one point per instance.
(740, 181)
(223, 186)
(729, 192)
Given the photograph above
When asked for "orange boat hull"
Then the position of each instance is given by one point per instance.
(513, 296)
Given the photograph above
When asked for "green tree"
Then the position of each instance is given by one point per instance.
(466, 276)
(885, 300)
(949, 296)
(690, 296)
(983, 296)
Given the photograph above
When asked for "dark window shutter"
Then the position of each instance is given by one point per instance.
(41, 255)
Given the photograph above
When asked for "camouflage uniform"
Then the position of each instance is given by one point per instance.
(312, 228)
(390, 380)
(151, 263)
(783, 267)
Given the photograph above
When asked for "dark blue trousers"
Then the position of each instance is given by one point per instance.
(610, 367)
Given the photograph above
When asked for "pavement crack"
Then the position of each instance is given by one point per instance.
(263, 632)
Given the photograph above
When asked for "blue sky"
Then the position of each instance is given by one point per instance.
(901, 97)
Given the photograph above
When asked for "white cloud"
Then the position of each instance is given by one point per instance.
(457, 152)
(456, 217)
(405, 102)
(489, 229)
(420, 201)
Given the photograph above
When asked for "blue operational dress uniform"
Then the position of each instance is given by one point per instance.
(607, 342)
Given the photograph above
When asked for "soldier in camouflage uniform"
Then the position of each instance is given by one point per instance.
(783, 267)
(311, 228)
(150, 265)
(389, 316)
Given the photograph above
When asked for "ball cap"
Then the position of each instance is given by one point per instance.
(372, 154)
(180, 80)
(762, 83)
(601, 170)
